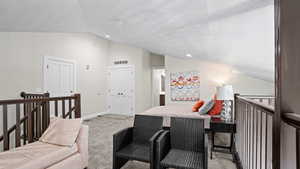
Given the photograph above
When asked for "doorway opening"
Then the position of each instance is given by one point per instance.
(158, 86)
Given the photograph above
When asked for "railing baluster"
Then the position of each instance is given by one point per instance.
(63, 109)
(256, 144)
(38, 120)
(25, 124)
(18, 126)
(43, 117)
(70, 108)
(48, 113)
(261, 136)
(30, 126)
(266, 143)
(244, 132)
(252, 138)
(245, 128)
(56, 108)
(5, 133)
(248, 144)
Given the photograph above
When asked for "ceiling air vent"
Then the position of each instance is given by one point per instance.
(121, 62)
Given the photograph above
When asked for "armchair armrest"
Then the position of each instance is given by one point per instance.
(82, 144)
(163, 146)
(153, 146)
(122, 138)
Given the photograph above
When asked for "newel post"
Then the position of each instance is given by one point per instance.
(77, 106)
(47, 110)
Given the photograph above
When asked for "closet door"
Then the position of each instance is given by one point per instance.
(59, 76)
(120, 94)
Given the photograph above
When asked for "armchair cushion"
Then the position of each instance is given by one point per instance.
(183, 159)
(184, 146)
(139, 152)
(135, 152)
(137, 142)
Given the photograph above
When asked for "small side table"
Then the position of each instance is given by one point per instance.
(217, 125)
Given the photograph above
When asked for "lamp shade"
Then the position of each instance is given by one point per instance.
(225, 92)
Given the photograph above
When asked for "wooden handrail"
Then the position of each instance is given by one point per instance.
(257, 96)
(292, 119)
(30, 95)
(262, 106)
(21, 101)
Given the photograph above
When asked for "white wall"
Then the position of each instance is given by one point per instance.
(21, 58)
(212, 74)
(142, 63)
(21, 61)
(157, 60)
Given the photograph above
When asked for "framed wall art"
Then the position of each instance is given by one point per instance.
(185, 86)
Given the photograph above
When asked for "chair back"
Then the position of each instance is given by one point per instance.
(187, 134)
(145, 127)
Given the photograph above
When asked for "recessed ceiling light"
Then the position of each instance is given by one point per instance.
(188, 55)
(107, 36)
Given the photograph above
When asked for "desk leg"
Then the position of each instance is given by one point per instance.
(232, 146)
(231, 142)
(212, 144)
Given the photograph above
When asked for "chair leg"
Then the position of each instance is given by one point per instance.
(118, 163)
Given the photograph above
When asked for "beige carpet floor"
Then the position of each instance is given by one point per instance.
(100, 145)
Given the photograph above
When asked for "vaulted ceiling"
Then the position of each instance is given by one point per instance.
(235, 32)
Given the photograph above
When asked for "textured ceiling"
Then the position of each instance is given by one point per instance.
(235, 32)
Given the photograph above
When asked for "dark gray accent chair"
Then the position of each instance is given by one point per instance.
(137, 142)
(185, 146)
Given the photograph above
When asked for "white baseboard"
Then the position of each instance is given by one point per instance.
(92, 115)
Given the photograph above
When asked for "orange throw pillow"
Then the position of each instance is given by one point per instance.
(216, 110)
(197, 106)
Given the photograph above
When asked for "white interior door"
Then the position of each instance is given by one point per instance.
(59, 76)
(120, 94)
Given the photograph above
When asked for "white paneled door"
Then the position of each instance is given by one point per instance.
(121, 93)
(59, 76)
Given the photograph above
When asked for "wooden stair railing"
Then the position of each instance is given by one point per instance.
(33, 108)
(32, 114)
(255, 132)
